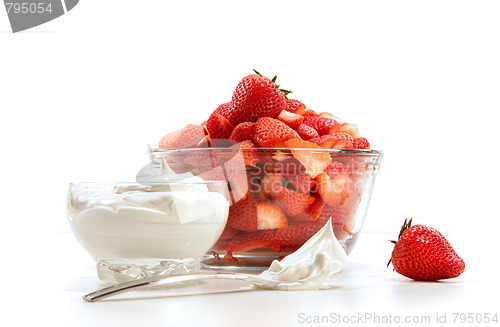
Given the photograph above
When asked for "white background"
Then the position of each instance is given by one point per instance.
(83, 95)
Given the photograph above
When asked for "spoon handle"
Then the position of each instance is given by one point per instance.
(157, 280)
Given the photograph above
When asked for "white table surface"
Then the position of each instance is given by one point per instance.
(364, 287)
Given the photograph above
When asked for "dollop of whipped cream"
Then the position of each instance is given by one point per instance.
(309, 267)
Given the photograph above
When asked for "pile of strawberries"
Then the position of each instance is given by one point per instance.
(284, 185)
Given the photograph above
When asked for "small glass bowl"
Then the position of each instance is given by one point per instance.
(137, 230)
(345, 197)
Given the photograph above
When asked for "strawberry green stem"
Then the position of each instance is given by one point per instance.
(406, 225)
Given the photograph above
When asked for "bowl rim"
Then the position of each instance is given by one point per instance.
(337, 151)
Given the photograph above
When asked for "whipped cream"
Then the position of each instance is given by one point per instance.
(309, 267)
(178, 220)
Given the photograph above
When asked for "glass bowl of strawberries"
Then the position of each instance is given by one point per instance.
(289, 170)
(280, 197)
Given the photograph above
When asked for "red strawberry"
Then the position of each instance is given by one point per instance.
(295, 106)
(220, 245)
(219, 127)
(272, 133)
(334, 169)
(249, 152)
(242, 131)
(228, 233)
(243, 215)
(270, 216)
(334, 191)
(291, 119)
(310, 112)
(351, 129)
(291, 202)
(343, 140)
(361, 143)
(303, 183)
(306, 132)
(256, 96)
(423, 253)
(339, 220)
(336, 214)
(240, 188)
(187, 137)
(204, 143)
(324, 141)
(245, 241)
(312, 213)
(221, 143)
(314, 162)
(268, 184)
(216, 174)
(329, 115)
(296, 234)
(322, 125)
(224, 109)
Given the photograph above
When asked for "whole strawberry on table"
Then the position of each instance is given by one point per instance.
(284, 185)
(422, 253)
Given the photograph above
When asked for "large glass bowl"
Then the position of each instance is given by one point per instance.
(340, 191)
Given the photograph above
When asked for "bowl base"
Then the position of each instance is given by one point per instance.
(125, 270)
(257, 260)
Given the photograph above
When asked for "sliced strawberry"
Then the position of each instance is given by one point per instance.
(327, 115)
(296, 234)
(204, 143)
(343, 140)
(322, 125)
(303, 183)
(187, 137)
(219, 127)
(272, 133)
(312, 213)
(337, 215)
(314, 162)
(215, 174)
(268, 184)
(291, 202)
(306, 132)
(339, 219)
(248, 241)
(310, 112)
(361, 143)
(280, 155)
(270, 216)
(230, 159)
(240, 188)
(221, 246)
(334, 169)
(334, 191)
(351, 129)
(325, 141)
(291, 119)
(243, 215)
(248, 151)
(242, 131)
(295, 106)
(228, 233)
(342, 232)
